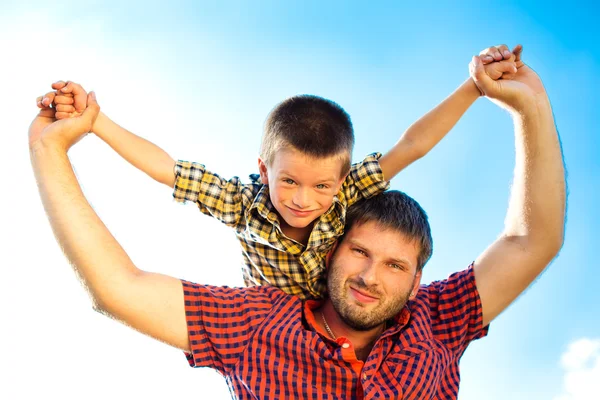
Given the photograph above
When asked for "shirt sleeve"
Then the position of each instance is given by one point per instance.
(457, 315)
(364, 180)
(215, 196)
(221, 321)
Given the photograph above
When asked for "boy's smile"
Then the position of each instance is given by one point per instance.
(301, 187)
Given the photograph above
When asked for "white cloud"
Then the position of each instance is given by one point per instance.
(581, 364)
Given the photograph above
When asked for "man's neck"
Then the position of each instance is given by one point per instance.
(362, 341)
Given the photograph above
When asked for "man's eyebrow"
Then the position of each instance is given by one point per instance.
(397, 260)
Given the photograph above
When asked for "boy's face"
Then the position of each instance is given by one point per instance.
(301, 187)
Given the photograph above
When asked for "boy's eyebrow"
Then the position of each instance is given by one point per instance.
(323, 180)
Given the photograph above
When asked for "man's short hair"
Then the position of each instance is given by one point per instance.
(396, 210)
(310, 124)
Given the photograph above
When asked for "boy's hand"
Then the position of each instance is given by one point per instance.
(68, 100)
(500, 63)
(501, 68)
(64, 134)
(514, 94)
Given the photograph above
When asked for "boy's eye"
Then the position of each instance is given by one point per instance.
(289, 181)
(322, 186)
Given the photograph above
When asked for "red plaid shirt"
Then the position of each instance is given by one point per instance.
(268, 346)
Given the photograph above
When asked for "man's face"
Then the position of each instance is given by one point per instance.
(372, 275)
(301, 187)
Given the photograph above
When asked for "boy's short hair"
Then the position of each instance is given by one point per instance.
(395, 210)
(310, 124)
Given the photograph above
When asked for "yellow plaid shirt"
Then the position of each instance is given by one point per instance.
(270, 257)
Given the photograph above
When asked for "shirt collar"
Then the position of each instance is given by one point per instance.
(400, 320)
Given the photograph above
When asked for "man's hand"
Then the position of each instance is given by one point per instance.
(64, 133)
(514, 94)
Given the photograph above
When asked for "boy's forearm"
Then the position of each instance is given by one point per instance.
(426, 132)
(139, 152)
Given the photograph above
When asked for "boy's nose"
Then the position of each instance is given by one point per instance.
(300, 198)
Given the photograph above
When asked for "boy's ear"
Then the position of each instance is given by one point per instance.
(341, 182)
(262, 169)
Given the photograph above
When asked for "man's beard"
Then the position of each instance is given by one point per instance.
(355, 316)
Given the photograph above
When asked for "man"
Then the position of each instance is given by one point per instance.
(378, 334)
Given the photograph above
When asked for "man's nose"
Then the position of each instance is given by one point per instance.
(369, 273)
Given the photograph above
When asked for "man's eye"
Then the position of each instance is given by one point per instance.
(322, 186)
(359, 251)
(289, 181)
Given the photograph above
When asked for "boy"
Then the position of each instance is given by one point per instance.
(288, 220)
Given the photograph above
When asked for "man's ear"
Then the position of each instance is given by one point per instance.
(262, 169)
(330, 253)
(415, 288)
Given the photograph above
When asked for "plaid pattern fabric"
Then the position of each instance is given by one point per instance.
(267, 344)
(270, 257)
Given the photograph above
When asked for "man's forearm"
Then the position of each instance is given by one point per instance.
(537, 204)
(427, 132)
(95, 255)
(139, 152)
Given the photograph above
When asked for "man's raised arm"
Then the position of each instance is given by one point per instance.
(534, 225)
(149, 302)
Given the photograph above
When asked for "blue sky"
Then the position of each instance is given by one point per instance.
(199, 79)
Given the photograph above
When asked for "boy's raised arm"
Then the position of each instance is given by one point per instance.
(139, 152)
(424, 134)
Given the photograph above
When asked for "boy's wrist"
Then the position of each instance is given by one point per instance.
(100, 124)
(472, 88)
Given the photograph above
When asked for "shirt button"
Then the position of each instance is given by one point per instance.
(364, 376)
(346, 345)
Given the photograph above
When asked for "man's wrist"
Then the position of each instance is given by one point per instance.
(532, 108)
(43, 149)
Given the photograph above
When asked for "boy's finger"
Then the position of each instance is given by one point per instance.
(64, 100)
(508, 67)
(490, 54)
(504, 51)
(46, 100)
(486, 55)
(79, 95)
(65, 108)
(59, 85)
(487, 59)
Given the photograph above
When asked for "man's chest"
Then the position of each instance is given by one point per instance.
(297, 363)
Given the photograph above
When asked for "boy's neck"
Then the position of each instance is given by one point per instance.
(300, 235)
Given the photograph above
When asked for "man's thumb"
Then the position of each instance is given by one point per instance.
(92, 109)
